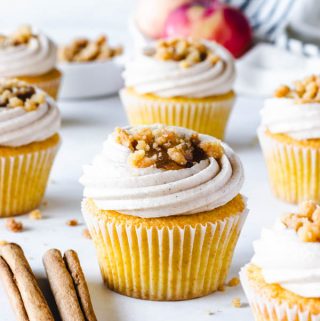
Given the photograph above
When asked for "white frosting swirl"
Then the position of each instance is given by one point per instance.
(36, 57)
(167, 79)
(286, 260)
(150, 192)
(19, 127)
(297, 120)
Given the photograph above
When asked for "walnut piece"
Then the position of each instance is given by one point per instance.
(14, 226)
(303, 91)
(165, 148)
(184, 51)
(306, 223)
(21, 36)
(15, 93)
(84, 50)
(72, 222)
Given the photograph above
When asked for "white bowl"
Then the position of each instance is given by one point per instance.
(90, 79)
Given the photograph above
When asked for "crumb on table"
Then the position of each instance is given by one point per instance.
(14, 225)
(35, 215)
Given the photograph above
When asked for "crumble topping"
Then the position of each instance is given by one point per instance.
(15, 93)
(19, 37)
(165, 148)
(303, 91)
(186, 52)
(306, 223)
(84, 50)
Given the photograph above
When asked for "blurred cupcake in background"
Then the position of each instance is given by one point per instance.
(29, 55)
(90, 68)
(29, 140)
(182, 83)
(290, 140)
(164, 209)
(282, 281)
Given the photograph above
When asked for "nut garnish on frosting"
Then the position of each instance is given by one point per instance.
(84, 50)
(306, 223)
(21, 36)
(15, 93)
(304, 91)
(186, 52)
(166, 149)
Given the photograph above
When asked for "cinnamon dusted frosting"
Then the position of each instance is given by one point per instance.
(114, 183)
(26, 52)
(179, 67)
(294, 111)
(27, 114)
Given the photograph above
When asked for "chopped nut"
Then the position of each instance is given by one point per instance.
(236, 303)
(72, 222)
(234, 282)
(21, 36)
(306, 223)
(282, 91)
(35, 215)
(14, 226)
(86, 233)
(166, 149)
(84, 50)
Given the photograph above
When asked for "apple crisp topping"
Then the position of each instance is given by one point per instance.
(84, 50)
(21, 36)
(306, 223)
(303, 91)
(186, 52)
(15, 93)
(166, 149)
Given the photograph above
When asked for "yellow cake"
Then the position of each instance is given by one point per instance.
(282, 285)
(30, 56)
(26, 156)
(182, 83)
(290, 141)
(156, 252)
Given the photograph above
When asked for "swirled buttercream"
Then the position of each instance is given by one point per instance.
(286, 116)
(152, 192)
(288, 261)
(167, 79)
(19, 127)
(36, 57)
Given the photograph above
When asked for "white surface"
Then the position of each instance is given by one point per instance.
(85, 126)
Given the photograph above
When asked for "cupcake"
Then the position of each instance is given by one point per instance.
(182, 83)
(30, 56)
(163, 208)
(90, 68)
(290, 139)
(29, 122)
(282, 282)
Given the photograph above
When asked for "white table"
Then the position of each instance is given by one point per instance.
(85, 126)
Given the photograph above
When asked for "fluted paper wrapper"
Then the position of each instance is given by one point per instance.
(206, 117)
(165, 263)
(294, 171)
(23, 180)
(265, 309)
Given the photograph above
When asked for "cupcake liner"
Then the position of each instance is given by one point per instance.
(164, 263)
(23, 180)
(294, 171)
(266, 309)
(206, 116)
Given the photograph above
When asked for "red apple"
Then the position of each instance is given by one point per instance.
(209, 19)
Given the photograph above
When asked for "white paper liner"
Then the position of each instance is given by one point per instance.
(173, 263)
(23, 179)
(208, 117)
(272, 308)
(294, 171)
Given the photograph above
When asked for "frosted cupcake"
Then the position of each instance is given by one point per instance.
(290, 140)
(29, 122)
(30, 56)
(163, 207)
(282, 282)
(182, 83)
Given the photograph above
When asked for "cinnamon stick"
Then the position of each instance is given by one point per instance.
(22, 286)
(62, 286)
